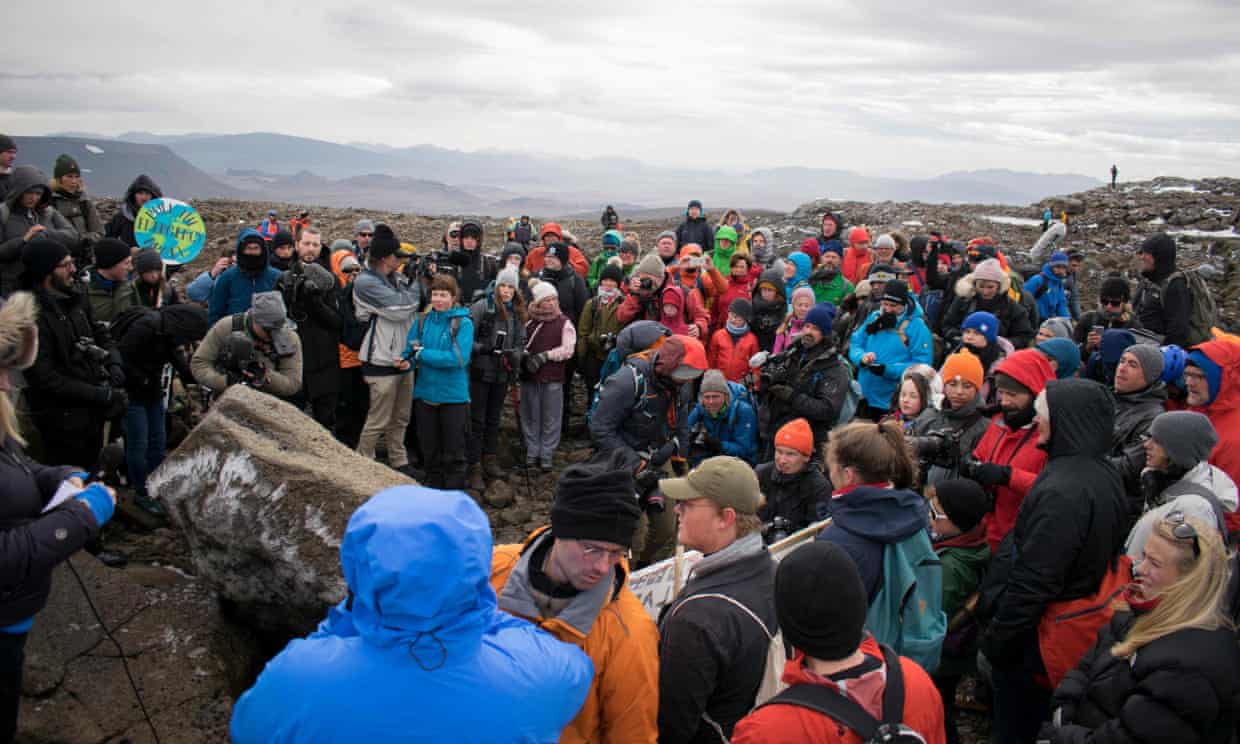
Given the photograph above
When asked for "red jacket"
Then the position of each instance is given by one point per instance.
(857, 264)
(730, 355)
(1224, 412)
(742, 289)
(792, 724)
(1015, 447)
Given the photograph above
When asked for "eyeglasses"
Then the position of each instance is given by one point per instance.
(594, 552)
(1112, 303)
(366, 235)
(1182, 530)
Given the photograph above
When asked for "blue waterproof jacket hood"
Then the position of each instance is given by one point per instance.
(867, 519)
(804, 265)
(419, 650)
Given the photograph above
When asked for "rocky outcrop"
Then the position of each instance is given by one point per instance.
(263, 494)
(187, 660)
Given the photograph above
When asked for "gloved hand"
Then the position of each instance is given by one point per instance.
(534, 362)
(116, 375)
(514, 358)
(877, 369)
(712, 443)
(780, 392)
(881, 323)
(991, 474)
(649, 497)
(115, 401)
(664, 453)
(255, 375)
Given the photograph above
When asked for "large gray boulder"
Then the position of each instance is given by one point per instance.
(263, 494)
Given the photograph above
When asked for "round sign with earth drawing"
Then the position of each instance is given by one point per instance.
(173, 228)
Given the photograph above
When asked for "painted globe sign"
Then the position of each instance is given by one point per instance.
(173, 228)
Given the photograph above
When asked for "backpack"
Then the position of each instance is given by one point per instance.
(907, 612)
(523, 233)
(612, 365)
(830, 702)
(352, 330)
(454, 326)
(1203, 311)
(127, 318)
(852, 398)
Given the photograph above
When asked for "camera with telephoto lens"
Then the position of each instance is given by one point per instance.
(608, 341)
(776, 370)
(777, 529)
(947, 455)
(646, 284)
(91, 350)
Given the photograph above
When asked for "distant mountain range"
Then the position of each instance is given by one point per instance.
(433, 180)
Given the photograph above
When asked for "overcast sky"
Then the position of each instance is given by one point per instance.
(881, 87)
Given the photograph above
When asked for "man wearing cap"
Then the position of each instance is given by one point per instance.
(363, 233)
(310, 294)
(1007, 460)
(109, 289)
(477, 269)
(571, 580)
(809, 380)
(27, 213)
(827, 281)
(797, 493)
(1140, 396)
(723, 422)
(280, 249)
(1212, 377)
(1162, 304)
(258, 348)
(695, 228)
(386, 300)
(714, 635)
(645, 290)
(732, 345)
(69, 198)
(890, 340)
(643, 416)
(820, 605)
(988, 288)
(8, 155)
(142, 190)
(552, 233)
(612, 240)
(77, 381)
(1071, 285)
(235, 288)
(1048, 290)
(665, 248)
(270, 226)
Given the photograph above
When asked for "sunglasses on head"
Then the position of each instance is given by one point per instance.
(1182, 530)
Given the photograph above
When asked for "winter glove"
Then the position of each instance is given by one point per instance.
(989, 474)
(780, 392)
(877, 369)
(649, 497)
(116, 375)
(514, 358)
(883, 322)
(664, 453)
(534, 362)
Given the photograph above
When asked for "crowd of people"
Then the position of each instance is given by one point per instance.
(1022, 491)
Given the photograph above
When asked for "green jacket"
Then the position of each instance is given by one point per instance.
(595, 321)
(597, 266)
(833, 291)
(108, 299)
(964, 560)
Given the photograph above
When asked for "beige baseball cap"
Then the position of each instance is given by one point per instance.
(727, 481)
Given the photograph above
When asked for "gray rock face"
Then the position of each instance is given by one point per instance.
(263, 494)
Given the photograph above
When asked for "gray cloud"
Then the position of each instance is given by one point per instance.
(879, 87)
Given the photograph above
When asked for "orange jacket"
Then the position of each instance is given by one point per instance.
(1224, 412)
(348, 357)
(792, 724)
(730, 355)
(578, 260)
(857, 264)
(622, 706)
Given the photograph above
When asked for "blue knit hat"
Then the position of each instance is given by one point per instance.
(1066, 354)
(1213, 372)
(612, 239)
(821, 316)
(1059, 259)
(1114, 342)
(834, 246)
(984, 323)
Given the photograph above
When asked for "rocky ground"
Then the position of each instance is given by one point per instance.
(191, 655)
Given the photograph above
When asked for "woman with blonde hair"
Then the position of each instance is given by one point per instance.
(1168, 668)
(32, 541)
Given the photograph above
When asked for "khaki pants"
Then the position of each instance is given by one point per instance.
(391, 398)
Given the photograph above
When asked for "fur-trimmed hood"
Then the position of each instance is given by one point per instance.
(965, 289)
(19, 335)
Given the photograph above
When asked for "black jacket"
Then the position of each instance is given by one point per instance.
(942, 438)
(121, 224)
(484, 364)
(313, 305)
(156, 338)
(477, 271)
(68, 386)
(1088, 320)
(633, 409)
(1181, 687)
(767, 316)
(695, 231)
(712, 653)
(1162, 303)
(1014, 322)
(802, 499)
(32, 544)
(820, 379)
(571, 289)
(1070, 527)
(1134, 412)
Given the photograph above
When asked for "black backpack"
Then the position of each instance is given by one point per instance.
(831, 703)
(352, 330)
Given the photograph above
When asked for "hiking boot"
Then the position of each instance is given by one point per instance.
(491, 468)
(475, 482)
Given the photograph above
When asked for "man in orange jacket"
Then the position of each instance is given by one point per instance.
(553, 233)
(571, 580)
(1212, 377)
(858, 258)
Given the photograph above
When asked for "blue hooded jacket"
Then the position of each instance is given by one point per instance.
(1053, 302)
(890, 350)
(443, 366)
(736, 426)
(419, 651)
(804, 266)
(867, 519)
(234, 289)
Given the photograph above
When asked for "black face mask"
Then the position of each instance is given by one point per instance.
(1020, 419)
(251, 263)
(283, 264)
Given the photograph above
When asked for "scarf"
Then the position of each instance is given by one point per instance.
(546, 311)
(737, 331)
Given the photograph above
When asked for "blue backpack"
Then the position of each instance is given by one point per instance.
(907, 613)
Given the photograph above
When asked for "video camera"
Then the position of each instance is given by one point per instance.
(608, 341)
(773, 369)
(777, 529)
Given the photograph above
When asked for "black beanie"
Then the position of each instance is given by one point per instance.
(147, 260)
(1114, 287)
(612, 272)
(963, 501)
(283, 237)
(596, 500)
(109, 252)
(64, 166)
(7, 143)
(41, 256)
(820, 601)
(560, 251)
(384, 243)
(743, 308)
(896, 291)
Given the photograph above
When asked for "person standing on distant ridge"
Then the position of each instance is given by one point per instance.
(1114, 175)
(695, 228)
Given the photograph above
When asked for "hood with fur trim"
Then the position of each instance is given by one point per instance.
(19, 334)
(965, 289)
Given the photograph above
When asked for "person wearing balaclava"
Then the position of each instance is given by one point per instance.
(1163, 304)
(234, 290)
